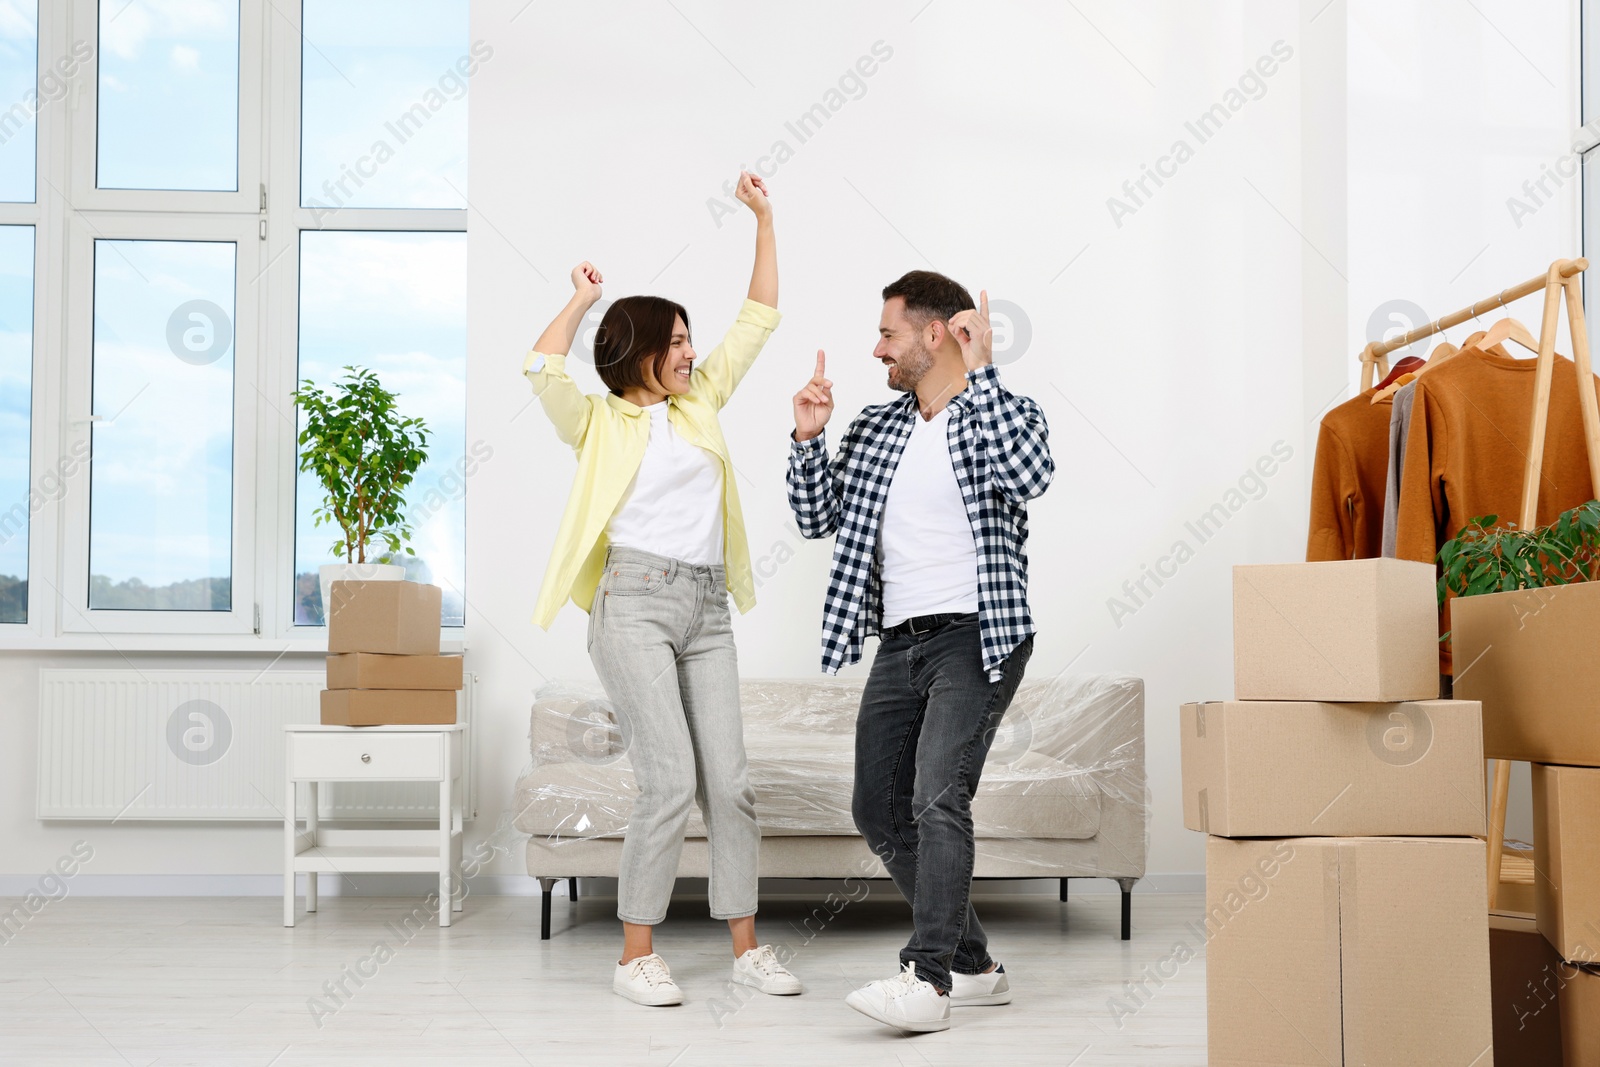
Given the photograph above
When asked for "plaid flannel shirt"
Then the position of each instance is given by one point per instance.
(999, 447)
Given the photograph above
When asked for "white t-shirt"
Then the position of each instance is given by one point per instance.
(928, 559)
(674, 505)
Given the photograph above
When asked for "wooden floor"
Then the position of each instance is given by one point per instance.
(219, 981)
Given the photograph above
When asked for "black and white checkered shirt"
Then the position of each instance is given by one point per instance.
(999, 447)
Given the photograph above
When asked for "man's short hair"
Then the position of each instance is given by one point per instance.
(928, 295)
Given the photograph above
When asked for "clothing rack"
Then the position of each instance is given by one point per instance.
(1563, 278)
(1375, 355)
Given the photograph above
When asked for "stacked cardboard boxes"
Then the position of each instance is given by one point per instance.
(384, 665)
(1566, 897)
(1344, 803)
(1531, 661)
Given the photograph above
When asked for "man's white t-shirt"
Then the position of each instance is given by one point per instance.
(928, 560)
(674, 505)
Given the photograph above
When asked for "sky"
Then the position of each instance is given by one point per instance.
(161, 494)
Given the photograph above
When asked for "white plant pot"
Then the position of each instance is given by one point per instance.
(329, 573)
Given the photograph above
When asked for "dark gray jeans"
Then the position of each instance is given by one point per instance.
(928, 716)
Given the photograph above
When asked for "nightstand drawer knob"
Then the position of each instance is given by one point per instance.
(366, 757)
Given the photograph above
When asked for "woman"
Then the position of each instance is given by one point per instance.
(652, 543)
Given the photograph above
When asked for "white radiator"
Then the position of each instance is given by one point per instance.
(201, 745)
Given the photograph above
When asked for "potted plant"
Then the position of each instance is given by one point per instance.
(1487, 558)
(1525, 632)
(365, 453)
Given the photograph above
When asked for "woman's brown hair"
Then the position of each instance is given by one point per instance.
(635, 329)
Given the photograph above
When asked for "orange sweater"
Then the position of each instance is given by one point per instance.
(1348, 479)
(1471, 421)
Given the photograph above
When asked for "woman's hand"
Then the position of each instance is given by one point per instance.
(586, 280)
(752, 193)
(813, 403)
(558, 336)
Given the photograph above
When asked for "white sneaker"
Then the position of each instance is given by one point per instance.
(977, 990)
(905, 1002)
(646, 980)
(760, 968)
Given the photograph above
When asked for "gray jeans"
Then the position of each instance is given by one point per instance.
(661, 638)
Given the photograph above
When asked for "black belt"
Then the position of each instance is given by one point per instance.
(922, 624)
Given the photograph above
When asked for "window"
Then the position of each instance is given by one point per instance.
(383, 157)
(384, 104)
(242, 193)
(20, 98)
(168, 95)
(394, 303)
(17, 497)
(160, 511)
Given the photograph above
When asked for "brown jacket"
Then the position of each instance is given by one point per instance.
(1348, 480)
(1471, 421)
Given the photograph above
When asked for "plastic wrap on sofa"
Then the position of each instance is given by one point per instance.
(1068, 755)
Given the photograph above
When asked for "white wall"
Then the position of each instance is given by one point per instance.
(1165, 351)
(1170, 353)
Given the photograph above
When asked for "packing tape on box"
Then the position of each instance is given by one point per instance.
(1205, 809)
(1347, 927)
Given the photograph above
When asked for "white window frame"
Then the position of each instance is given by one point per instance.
(86, 196)
(82, 235)
(43, 425)
(265, 219)
(283, 244)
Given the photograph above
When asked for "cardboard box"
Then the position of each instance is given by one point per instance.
(1566, 859)
(1327, 950)
(1264, 768)
(1525, 979)
(372, 670)
(1533, 657)
(1363, 629)
(1580, 1017)
(387, 707)
(398, 618)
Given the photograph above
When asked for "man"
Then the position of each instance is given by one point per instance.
(928, 496)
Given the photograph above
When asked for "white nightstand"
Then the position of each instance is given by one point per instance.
(319, 753)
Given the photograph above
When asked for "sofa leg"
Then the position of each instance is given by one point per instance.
(1127, 907)
(572, 888)
(1063, 890)
(545, 885)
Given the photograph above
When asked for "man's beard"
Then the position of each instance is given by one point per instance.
(910, 369)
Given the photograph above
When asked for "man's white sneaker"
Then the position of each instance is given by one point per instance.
(977, 990)
(905, 1002)
(760, 968)
(646, 980)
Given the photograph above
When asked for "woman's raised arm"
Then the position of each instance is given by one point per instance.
(545, 365)
(558, 336)
(764, 275)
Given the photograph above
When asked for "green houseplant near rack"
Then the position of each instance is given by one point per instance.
(365, 453)
(1487, 558)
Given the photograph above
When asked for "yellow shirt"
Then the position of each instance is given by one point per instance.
(609, 435)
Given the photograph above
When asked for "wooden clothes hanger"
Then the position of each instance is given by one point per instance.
(1406, 375)
(1507, 329)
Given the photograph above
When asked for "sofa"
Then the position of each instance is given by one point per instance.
(1062, 793)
